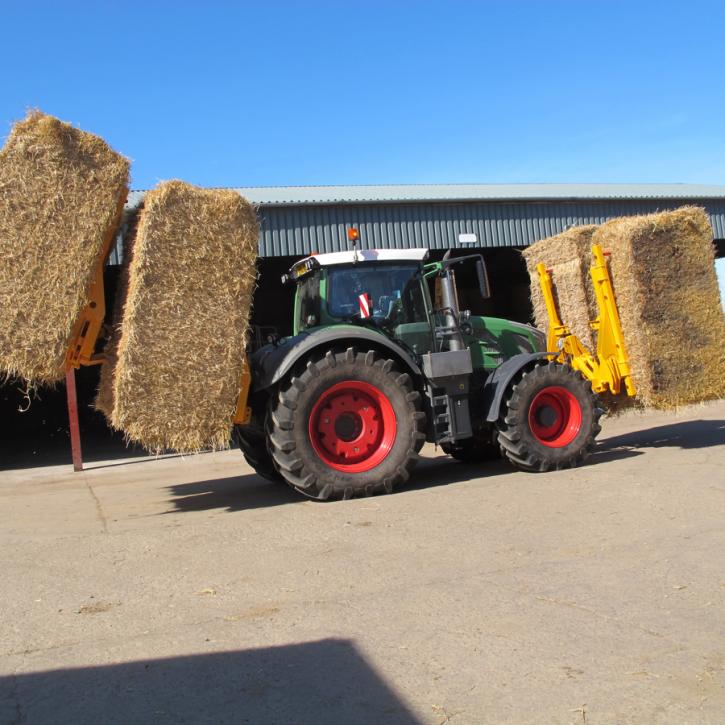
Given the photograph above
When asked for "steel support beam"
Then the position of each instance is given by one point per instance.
(75, 432)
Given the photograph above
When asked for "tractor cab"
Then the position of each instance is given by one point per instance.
(384, 290)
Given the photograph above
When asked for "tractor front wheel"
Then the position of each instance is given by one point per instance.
(549, 419)
(347, 424)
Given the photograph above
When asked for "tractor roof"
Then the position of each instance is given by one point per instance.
(361, 256)
(370, 255)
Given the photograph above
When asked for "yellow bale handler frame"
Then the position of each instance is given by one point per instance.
(89, 324)
(608, 369)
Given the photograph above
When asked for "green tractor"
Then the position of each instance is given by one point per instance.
(382, 360)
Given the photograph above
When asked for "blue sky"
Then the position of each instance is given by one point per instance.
(276, 93)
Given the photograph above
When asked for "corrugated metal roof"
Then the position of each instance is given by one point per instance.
(282, 195)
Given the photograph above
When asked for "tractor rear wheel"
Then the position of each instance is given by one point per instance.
(348, 424)
(549, 419)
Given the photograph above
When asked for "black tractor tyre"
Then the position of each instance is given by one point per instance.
(478, 449)
(549, 419)
(254, 449)
(348, 423)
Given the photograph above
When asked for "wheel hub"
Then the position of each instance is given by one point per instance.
(555, 416)
(546, 416)
(352, 426)
(348, 426)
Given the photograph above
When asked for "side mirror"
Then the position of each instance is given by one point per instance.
(482, 275)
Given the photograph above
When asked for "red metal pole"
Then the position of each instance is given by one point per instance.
(75, 432)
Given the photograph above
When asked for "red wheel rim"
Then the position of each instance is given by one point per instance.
(555, 416)
(352, 426)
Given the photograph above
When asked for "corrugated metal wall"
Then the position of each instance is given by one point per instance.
(300, 229)
(293, 230)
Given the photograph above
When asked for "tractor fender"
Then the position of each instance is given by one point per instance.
(498, 381)
(272, 362)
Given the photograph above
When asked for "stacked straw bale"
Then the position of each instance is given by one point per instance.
(61, 195)
(663, 271)
(568, 256)
(176, 358)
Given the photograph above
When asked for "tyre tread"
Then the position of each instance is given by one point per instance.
(283, 448)
(512, 431)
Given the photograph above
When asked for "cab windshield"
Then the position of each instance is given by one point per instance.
(393, 293)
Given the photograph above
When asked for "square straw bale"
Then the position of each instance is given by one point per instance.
(664, 278)
(568, 256)
(178, 360)
(61, 195)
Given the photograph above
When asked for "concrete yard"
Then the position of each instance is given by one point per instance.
(186, 590)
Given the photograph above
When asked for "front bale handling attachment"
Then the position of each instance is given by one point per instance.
(608, 370)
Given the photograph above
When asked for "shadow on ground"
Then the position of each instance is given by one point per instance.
(690, 434)
(239, 493)
(249, 491)
(326, 681)
(235, 493)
